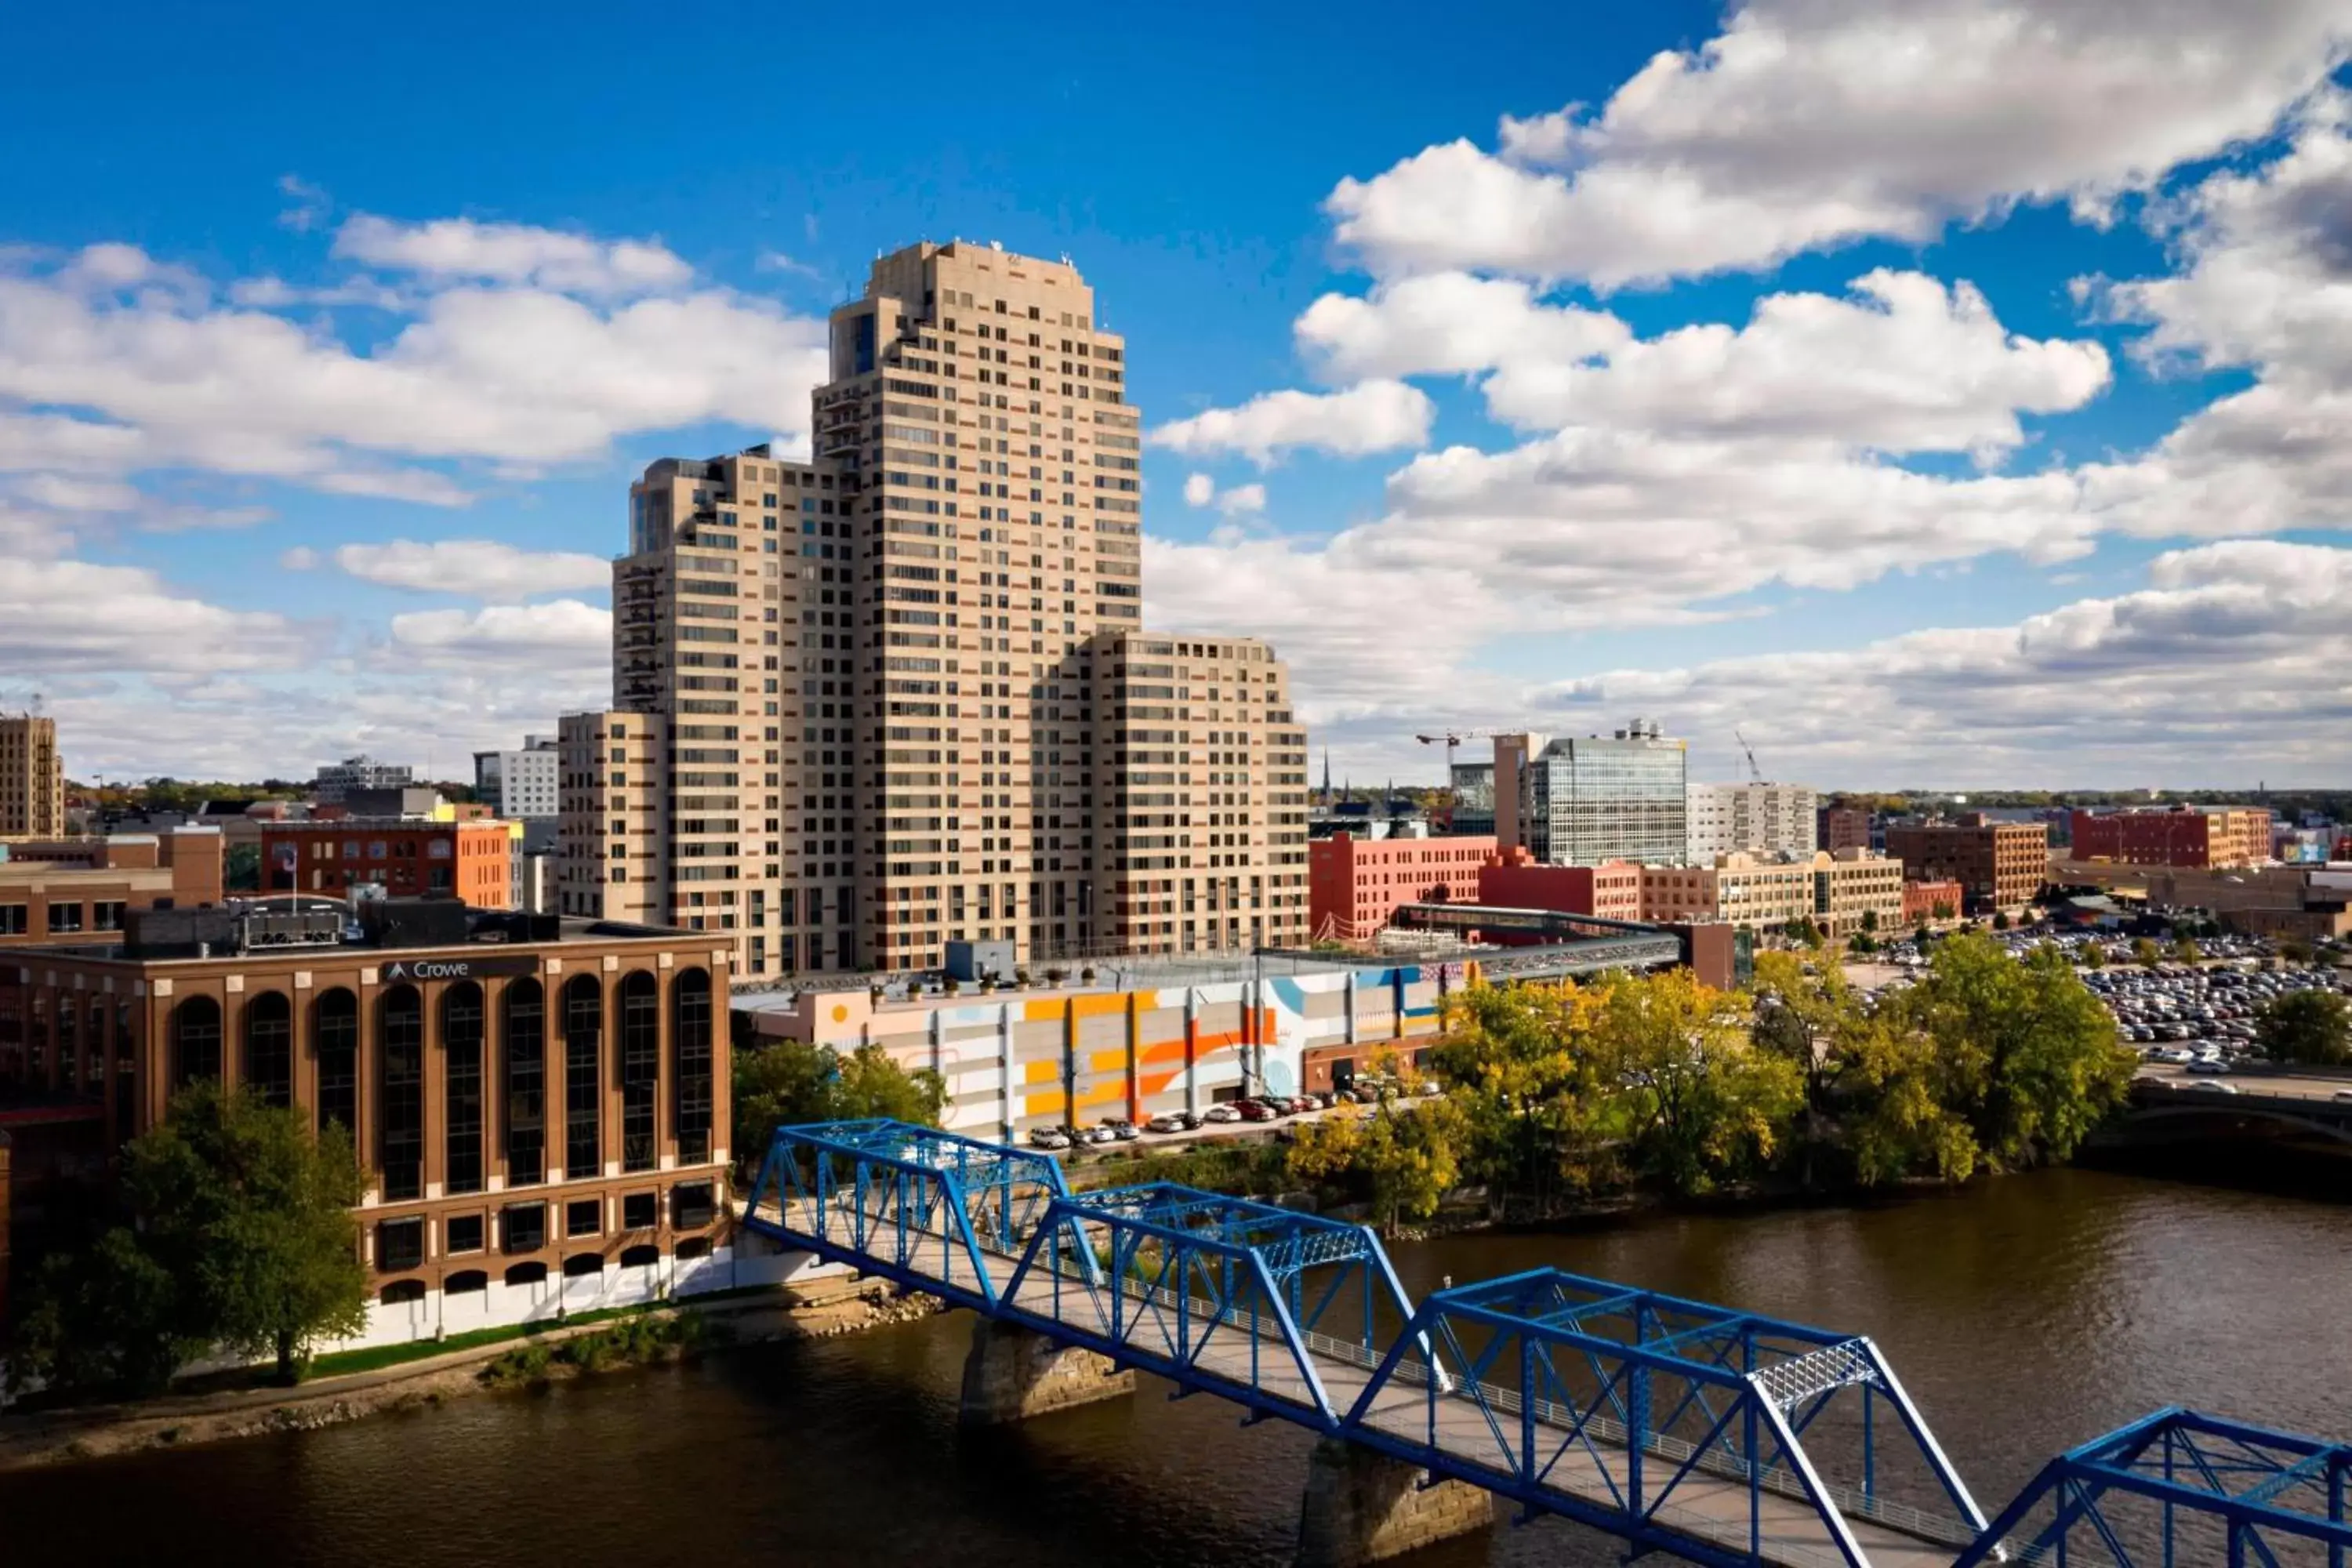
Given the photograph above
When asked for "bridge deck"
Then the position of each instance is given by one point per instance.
(1713, 1508)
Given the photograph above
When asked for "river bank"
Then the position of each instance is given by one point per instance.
(823, 1310)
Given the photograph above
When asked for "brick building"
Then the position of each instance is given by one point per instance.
(1842, 893)
(32, 778)
(1928, 903)
(1354, 885)
(1514, 880)
(405, 858)
(66, 889)
(2000, 866)
(1842, 827)
(2193, 837)
(540, 1106)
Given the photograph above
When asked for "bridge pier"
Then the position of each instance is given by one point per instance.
(1362, 1507)
(1012, 1374)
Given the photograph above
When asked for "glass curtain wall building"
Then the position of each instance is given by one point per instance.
(1618, 798)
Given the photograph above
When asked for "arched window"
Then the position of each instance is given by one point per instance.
(400, 1292)
(524, 1034)
(461, 1059)
(693, 1246)
(580, 1264)
(195, 1042)
(400, 1093)
(270, 1047)
(690, 1044)
(641, 1258)
(583, 1092)
(640, 1067)
(335, 1035)
(527, 1274)
(464, 1283)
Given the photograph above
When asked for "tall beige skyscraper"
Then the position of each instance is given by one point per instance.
(32, 778)
(899, 695)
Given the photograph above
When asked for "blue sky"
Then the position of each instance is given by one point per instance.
(328, 346)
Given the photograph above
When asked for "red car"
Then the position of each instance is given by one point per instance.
(1253, 1111)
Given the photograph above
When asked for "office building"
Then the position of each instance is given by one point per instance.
(2188, 836)
(1354, 885)
(67, 889)
(1473, 799)
(519, 785)
(2000, 866)
(1842, 828)
(337, 780)
(1752, 818)
(397, 856)
(32, 778)
(1512, 880)
(1581, 799)
(898, 696)
(540, 1106)
(1850, 891)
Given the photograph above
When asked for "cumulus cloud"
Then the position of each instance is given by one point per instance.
(561, 634)
(1806, 123)
(1201, 490)
(129, 377)
(461, 248)
(1370, 417)
(67, 617)
(477, 568)
(1449, 322)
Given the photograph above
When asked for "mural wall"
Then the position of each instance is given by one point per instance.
(1028, 1061)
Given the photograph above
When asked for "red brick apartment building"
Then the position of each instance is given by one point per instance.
(540, 1105)
(2000, 866)
(402, 857)
(1514, 881)
(67, 889)
(2198, 836)
(1354, 885)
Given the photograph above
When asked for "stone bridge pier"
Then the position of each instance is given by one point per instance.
(1012, 1374)
(1362, 1507)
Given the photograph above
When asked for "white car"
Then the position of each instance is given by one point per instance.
(1220, 1113)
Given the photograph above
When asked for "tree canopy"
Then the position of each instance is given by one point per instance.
(790, 1081)
(234, 1231)
(2312, 1027)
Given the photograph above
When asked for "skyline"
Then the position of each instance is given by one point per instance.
(1969, 417)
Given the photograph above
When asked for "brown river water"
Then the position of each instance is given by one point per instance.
(2024, 1314)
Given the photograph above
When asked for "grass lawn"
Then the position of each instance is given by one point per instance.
(375, 1358)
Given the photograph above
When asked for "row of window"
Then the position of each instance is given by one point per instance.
(578, 1266)
(518, 1077)
(524, 1228)
(65, 917)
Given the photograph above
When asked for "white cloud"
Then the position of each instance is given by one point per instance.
(1372, 416)
(65, 616)
(1449, 322)
(560, 635)
(1904, 365)
(477, 568)
(115, 383)
(1201, 490)
(1806, 123)
(462, 249)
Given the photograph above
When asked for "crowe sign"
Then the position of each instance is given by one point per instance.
(456, 968)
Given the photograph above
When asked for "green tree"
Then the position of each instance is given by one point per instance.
(788, 1081)
(2001, 920)
(1870, 920)
(241, 869)
(237, 1232)
(1808, 1015)
(2146, 953)
(1942, 911)
(2028, 1054)
(2294, 951)
(2094, 955)
(1540, 1111)
(2185, 951)
(1403, 1160)
(1893, 1094)
(1708, 1106)
(2312, 1027)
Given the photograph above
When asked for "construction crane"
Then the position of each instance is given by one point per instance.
(1755, 773)
(1454, 738)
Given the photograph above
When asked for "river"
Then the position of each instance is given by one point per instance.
(2025, 1314)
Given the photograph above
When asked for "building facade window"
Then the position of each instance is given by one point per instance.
(691, 1068)
(461, 1061)
(583, 1091)
(337, 1035)
(270, 1047)
(524, 1123)
(640, 1046)
(400, 1093)
(195, 1042)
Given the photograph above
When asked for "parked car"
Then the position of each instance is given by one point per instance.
(1122, 1128)
(1221, 1114)
(1192, 1120)
(1171, 1122)
(1253, 1111)
(2209, 1067)
(1048, 1138)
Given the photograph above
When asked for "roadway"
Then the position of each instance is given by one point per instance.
(2261, 1085)
(1706, 1505)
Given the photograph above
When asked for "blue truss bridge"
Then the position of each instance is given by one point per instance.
(1721, 1437)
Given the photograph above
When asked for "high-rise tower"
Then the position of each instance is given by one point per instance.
(899, 694)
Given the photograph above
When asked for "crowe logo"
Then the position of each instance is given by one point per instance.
(455, 968)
